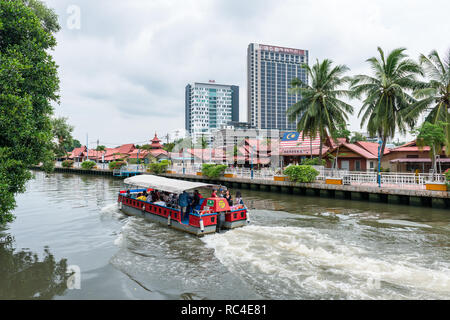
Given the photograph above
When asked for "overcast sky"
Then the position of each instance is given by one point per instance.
(124, 65)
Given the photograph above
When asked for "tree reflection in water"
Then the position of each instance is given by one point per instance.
(24, 276)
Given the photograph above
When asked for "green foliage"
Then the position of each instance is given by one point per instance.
(431, 135)
(313, 162)
(321, 108)
(116, 164)
(386, 95)
(341, 132)
(62, 131)
(100, 148)
(88, 165)
(357, 137)
(159, 167)
(434, 96)
(447, 178)
(202, 143)
(301, 173)
(28, 85)
(213, 170)
(67, 164)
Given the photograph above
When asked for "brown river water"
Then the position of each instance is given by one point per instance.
(296, 247)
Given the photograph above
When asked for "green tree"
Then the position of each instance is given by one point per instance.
(72, 145)
(357, 137)
(320, 108)
(434, 96)
(62, 131)
(28, 85)
(101, 148)
(341, 132)
(202, 142)
(386, 95)
(433, 136)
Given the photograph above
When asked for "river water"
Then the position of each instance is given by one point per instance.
(296, 247)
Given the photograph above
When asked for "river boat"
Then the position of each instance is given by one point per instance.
(211, 215)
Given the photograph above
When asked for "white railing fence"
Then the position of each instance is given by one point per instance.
(349, 177)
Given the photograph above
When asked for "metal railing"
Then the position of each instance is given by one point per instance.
(399, 179)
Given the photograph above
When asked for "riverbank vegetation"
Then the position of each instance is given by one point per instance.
(394, 96)
(301, 173)
(213, 170)
(29, 84)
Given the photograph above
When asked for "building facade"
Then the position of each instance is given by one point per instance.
(270, 70)
(209, 106)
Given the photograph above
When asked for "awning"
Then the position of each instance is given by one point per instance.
(166, 184)
(420, 160)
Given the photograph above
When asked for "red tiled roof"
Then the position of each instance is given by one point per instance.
(142, 154)
(372, 147)
(77, 152)
(157, 152)
(363, 152)
(415, 160)
(400, 149)
(126, 148)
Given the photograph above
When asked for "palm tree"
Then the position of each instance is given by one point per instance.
(320, 109)
(435, 94)
(386, 95)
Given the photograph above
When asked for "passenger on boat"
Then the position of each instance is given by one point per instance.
(228, 197)
(173, 202)
(183, 202)
(196, 199)
(238, 200)
(128, 195)
(141, 197)
(155, 196)
(214, 194)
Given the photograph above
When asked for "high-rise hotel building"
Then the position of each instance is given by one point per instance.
(270, 70)
(208, 106)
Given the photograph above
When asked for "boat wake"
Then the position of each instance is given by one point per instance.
(299, 263)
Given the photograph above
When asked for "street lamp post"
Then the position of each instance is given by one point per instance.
(380, 142)
(251, 165)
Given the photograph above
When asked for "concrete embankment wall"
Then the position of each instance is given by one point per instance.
(426, 198)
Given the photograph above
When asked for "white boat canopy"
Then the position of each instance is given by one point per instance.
(166, 184)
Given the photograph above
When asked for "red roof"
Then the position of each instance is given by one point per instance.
(372, 147)
(445, 160)
(126, 148)
(156, 143)
(361, 151)
(142, 153)
(412, 147)
(157, 152)
(77, 152)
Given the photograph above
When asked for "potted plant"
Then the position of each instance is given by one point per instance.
(278, 176)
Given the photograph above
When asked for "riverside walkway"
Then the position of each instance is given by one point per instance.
(401, 188)
(387, 193)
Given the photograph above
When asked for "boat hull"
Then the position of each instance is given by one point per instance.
(197, 223)
(165, 221)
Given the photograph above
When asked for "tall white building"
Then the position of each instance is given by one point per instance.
(209, 106)
(270, 70)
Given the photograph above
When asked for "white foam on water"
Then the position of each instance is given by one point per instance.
(292, 261)
(405, 223)
(111, 210)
